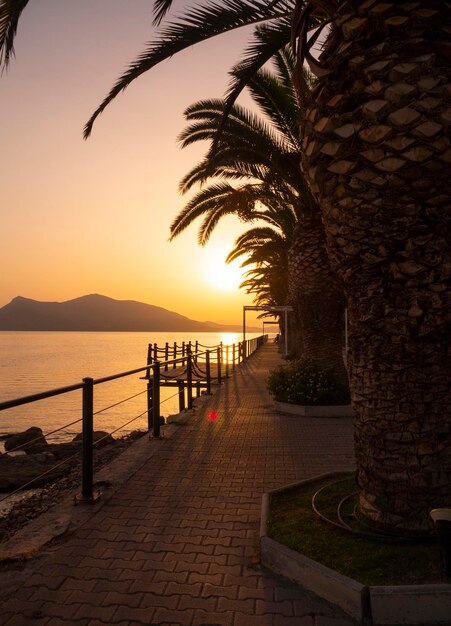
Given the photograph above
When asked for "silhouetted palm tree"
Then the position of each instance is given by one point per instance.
(269, 154)
(265, 250)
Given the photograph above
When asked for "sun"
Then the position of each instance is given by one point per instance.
(218, 274)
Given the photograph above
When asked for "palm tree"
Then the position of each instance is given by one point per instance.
(266, 250)
(269, 154)
(376, 154)
(376, 139)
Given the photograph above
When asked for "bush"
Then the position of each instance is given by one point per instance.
(301, 382)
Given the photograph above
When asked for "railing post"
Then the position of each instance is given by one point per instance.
(174, 365)
(149, 405)
(87, 439)
(181, 388)
(155, 352)
(149, 359)
(227, 361)
(208, 372)
(156, 399)
(189, 378)
(219, 357)
(183, 353)
(166, 355)
(233, 357)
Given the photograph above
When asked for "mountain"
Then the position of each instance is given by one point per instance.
(99, 313)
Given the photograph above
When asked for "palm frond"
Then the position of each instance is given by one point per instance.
(284, 64)
(216, 201)
(278, 101)
(10, 12)
(160, 9)
(199, 23)
(232, 170)
(268, 38)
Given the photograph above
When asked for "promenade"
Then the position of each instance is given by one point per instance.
(178, 543)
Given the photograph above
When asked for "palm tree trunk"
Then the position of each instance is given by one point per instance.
(377, 136)
(398, 365)
(317, 299)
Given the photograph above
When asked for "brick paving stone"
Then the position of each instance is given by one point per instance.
(96, 622)
(167, 577)
(282, 608)
(184, 589)
(212, 579)
(190, 602)
(182, 548)
(194, 569)
(145, 586)
(219, 591)
(57, 609)
(244, 619)
(184, 617)
(129, 614)
(305, 620)
(155, 600)
(239, 606)
(204, 618)
(103, 613)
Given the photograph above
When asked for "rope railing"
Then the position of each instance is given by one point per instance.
(191, 369)
(112, 406)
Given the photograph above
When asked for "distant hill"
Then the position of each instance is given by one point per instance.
(99, 313)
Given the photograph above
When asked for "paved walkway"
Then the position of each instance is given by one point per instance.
(179, 544)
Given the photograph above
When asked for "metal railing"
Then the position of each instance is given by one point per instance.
(182, 367)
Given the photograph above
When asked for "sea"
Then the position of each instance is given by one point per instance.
(33, 362)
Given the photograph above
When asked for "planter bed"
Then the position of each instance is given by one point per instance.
(426, 605)
(341, 410)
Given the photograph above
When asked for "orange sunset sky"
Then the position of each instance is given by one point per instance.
(81, 217)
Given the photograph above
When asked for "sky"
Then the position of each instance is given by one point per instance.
(80, 217)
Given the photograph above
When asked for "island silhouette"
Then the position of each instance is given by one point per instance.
(95, 312)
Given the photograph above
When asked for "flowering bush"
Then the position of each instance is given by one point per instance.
(301, 382)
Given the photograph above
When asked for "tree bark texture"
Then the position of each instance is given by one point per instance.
(316, 295)
(377, 154)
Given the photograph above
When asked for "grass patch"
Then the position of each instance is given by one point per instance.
(293, 523)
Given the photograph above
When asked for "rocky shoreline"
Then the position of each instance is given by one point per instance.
(27, 455)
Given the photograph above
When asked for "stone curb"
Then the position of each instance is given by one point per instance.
(425, 605)
(341, 410)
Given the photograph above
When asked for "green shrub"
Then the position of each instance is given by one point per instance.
(301, 382)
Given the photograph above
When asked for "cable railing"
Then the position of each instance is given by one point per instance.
(185, 366)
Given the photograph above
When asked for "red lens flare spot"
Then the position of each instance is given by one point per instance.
(212, 416)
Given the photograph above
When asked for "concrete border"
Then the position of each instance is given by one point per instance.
(341, 410)
(426, 605)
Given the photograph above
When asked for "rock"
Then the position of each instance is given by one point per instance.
(136, 434)
(28, 440)
(99, 437)
(18, 470)
(65, 450)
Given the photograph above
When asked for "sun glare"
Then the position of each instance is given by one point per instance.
(220, 275)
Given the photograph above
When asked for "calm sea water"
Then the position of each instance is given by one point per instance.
(32, 362)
